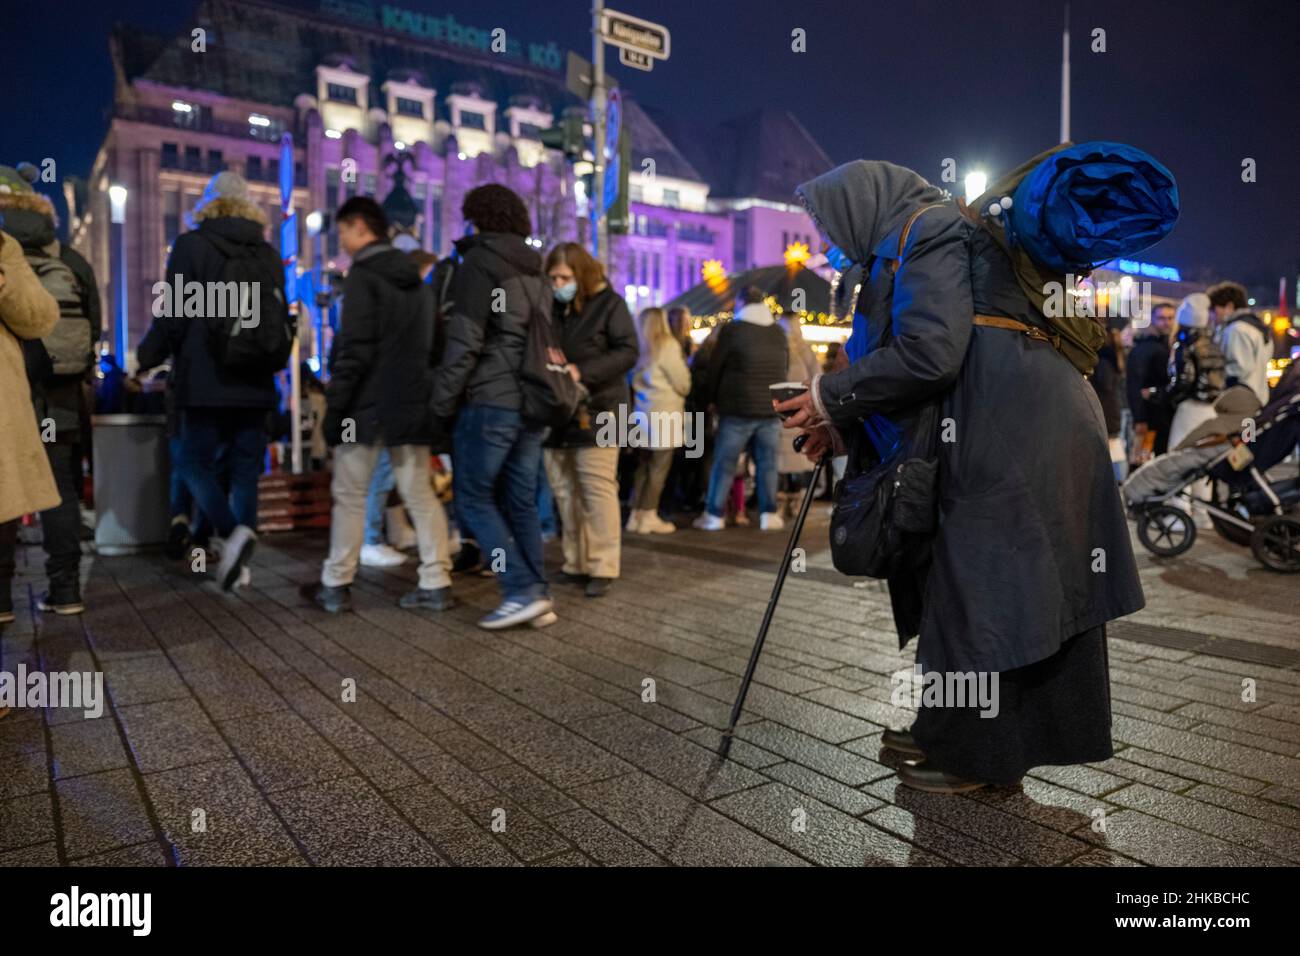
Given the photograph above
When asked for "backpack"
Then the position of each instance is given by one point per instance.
(68, 344)
(548, 394)
(261, 348)
(1200, 371)
(441, 280)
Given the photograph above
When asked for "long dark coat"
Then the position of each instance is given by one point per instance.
(1032, 547)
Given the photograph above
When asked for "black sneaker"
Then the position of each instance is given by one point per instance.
(598, 587)
(61, 602)
(428, 599)
(468, 559)
(328, 599)
(564, 577)
(178, 538)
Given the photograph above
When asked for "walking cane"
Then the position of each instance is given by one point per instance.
(739, 705)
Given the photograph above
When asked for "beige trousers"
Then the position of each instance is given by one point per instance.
(353, 466)
(585, 484)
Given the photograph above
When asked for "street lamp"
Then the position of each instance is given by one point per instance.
(117, 217)
(976, 183)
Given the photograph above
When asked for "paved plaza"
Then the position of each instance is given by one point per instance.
(230, 736)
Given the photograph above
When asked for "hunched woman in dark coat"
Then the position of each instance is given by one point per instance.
(1032, 554)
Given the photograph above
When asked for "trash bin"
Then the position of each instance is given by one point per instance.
(132, 474)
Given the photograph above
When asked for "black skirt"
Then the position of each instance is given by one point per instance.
(1054, 711)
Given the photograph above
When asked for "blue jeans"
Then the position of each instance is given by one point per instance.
(241, 433)
(181, 501)
(381, 483)
(734, 433)
(545, 502)
(496, 458)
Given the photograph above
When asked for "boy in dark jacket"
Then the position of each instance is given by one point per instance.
(222, 411)
(381, 379)
(751, 354)
(1146, 379)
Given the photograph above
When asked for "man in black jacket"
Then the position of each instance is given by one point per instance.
(1146, 378)
(381, 379)
(58, 395)
(222, 410)
(751, 353)
(496, 455)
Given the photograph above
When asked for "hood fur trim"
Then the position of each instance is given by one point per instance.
(227, 207)
(33, 202)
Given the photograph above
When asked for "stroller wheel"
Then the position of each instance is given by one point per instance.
(1166, 531)
(1230, 531)
(1276, 544)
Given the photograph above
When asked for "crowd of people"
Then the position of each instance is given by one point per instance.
(1180, 361)
(423, 377)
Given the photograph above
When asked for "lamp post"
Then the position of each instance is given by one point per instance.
(976, 183)
(117, 217)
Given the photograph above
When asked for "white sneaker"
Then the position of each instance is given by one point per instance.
(653, 524)
(634, 521)
(400, 533)
(511, 613)
(709, 522)
(770, 521)
(381, 556)
(235, 553)
(245, 578)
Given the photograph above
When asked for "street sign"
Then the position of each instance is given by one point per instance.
(640, 61)
(613, 124)
(577, 78)
(632, 33)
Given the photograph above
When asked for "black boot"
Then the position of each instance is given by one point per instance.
(328, 599)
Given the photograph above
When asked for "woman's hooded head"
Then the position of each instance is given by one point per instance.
(858, 204)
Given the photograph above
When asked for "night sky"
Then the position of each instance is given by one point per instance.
(1201, 85)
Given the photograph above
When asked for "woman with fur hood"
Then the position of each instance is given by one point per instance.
(218, 407)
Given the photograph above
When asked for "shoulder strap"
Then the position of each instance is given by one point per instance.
(907, 231)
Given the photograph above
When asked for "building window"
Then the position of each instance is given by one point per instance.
(216, 162)
(655, 274)
(253, 169)
(171, 216)
(171, 156)
(193, 159)
(634, 192)
(471, 120)
(435, 218)
(679, 287)
(331, 204)
(341, 92)
(672, 197)
(299, 174)
(369, 184)
(407, 107)
(273, 170)
(530, 131)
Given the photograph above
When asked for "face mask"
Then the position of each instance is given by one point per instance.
(566, 292)
(838, 260)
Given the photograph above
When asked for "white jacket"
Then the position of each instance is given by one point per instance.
(1246, 353)
(660, 386)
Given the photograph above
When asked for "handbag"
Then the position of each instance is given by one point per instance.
(884, 517)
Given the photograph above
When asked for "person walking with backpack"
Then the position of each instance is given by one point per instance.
(224, 359)
(1198, 373)
(27, 312)
(57, 366)
(600, 344)
(381, 380)
(494, 294)
(751, 354)
(1244, 339)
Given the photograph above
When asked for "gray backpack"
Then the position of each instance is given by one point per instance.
(69, 345)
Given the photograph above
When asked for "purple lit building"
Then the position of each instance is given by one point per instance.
(355, 82)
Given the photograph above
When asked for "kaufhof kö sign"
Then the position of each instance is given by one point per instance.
(445, 28)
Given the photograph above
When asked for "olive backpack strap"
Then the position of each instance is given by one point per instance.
(907, 230)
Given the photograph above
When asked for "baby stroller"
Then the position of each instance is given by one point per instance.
(1234, 453)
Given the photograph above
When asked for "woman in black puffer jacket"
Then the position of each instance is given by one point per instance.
(600, 343)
